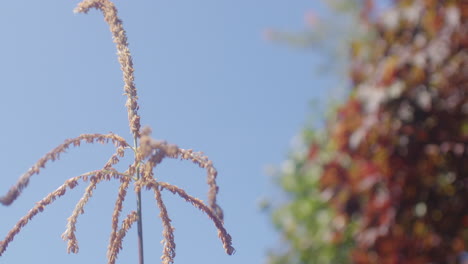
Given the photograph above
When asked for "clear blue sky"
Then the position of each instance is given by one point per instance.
(207, 80)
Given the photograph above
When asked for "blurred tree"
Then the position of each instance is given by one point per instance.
(387, 180)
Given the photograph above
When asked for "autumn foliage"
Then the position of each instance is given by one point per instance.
(395, 172)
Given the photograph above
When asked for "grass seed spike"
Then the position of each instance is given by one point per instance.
(148, 154)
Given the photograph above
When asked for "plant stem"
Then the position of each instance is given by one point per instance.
(140, 229)
(139, 213)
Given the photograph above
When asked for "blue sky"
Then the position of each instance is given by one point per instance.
(206, 79)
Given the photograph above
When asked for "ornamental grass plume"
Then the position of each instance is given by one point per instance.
(148, 153)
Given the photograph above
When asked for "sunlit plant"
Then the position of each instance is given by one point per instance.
(148, 153)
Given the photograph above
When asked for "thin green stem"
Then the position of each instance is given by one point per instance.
(139, 213)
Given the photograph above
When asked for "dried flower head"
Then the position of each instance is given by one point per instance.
(148, 154)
